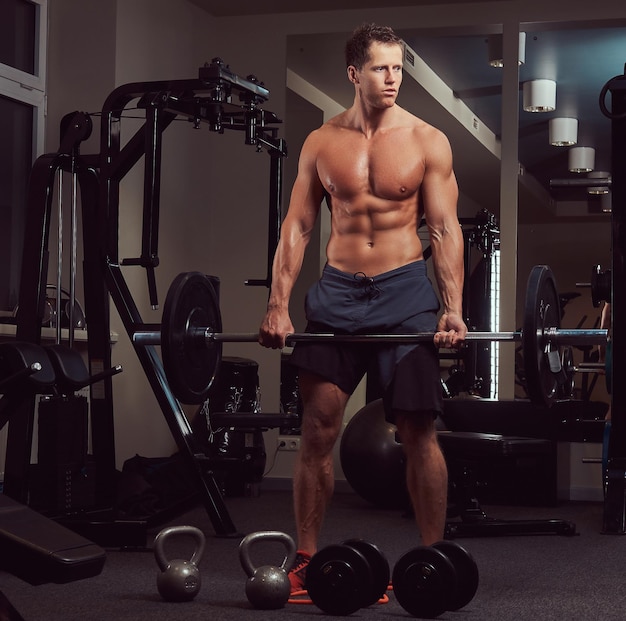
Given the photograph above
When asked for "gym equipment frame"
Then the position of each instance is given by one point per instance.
(205, 100)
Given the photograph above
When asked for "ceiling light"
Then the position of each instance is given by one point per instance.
(582, 159)
(563, 132)
(606, 203)
(539, 96)
(494, 50)
(600, 189)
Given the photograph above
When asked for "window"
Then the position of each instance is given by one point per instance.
(23, 25)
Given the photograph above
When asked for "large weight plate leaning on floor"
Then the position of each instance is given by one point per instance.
(190, 362)
(542, 310)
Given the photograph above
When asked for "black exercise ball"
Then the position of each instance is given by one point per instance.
(372, 459)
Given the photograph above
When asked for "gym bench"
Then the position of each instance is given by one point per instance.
(464, 452)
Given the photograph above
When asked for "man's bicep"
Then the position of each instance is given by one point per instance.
(306, 197)
(439, 186)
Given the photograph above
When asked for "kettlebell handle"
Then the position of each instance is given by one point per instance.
(162, 537)
(266, 535)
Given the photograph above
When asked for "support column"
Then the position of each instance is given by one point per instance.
(509, 169)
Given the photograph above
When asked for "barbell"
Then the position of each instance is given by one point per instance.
(191, 337)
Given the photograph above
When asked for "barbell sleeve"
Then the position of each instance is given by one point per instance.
(576, 336)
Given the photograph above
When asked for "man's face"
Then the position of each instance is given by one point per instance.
(379, 79)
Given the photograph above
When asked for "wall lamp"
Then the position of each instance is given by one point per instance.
(539, 96)
(563, 132)
(581, 159)
(495, 53)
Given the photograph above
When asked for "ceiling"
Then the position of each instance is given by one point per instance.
(229, 8)
(581, 61)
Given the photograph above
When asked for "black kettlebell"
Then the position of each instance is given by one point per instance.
(178, 579)
(268, 586)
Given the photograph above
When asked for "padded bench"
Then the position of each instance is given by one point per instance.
(565, 421)
(39, 550)
(470, 454)
(509, 469)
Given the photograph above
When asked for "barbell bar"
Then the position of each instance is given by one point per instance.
(191, 337)
(558, 336)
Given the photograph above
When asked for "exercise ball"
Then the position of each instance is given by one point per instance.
(372, 459)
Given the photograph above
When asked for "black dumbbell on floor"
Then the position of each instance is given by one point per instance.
(428, 580)
(342, 578)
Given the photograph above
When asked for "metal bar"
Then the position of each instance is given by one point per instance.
(418, 337)
(154, 337)
(580, 183)
(590, 367)
(59, 276)
(73, 256)
(577, 336)
(558, 335)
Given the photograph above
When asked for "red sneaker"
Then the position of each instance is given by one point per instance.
(297, 573)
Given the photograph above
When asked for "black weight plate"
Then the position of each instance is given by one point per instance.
(542, 310)
(379, 567)
(190, 362)
(338, 580)
(423, 580)
(466, 573)
(600, 286)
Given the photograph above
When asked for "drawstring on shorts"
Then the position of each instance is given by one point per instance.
(368, 284)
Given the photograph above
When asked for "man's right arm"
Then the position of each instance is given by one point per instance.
(295, 233)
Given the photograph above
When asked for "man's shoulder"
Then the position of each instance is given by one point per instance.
(416, 123)
(337, 122)
(332, 126)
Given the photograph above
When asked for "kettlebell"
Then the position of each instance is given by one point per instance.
(178, 580)
(268, 586)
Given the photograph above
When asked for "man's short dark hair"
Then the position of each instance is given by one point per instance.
(357, 47)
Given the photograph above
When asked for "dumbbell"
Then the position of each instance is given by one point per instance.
(342, 578)
(428, 580)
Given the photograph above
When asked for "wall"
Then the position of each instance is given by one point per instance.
(214, 188)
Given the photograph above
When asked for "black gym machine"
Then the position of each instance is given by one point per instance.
(219, 99)
(614, 516)
(614, 521)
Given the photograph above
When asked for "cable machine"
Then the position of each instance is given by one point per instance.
(219, 99)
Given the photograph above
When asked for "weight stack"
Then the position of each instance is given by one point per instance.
(65, 488)
(242, 451)
(64, 476)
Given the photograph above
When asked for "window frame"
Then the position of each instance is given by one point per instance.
(28, 88)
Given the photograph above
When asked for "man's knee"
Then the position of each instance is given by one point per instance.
(418, 425)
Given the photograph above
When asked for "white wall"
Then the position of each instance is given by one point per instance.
(214, 188)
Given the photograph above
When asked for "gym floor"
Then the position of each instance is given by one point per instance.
(521, 577)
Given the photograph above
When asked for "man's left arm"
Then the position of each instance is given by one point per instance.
(440, 196)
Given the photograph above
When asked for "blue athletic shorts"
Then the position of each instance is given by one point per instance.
(400, 301)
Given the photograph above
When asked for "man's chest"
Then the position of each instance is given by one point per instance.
(388, 169)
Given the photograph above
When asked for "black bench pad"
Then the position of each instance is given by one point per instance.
(39, 550)
(472, 444)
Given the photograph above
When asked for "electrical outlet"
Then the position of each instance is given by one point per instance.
(288, 443)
